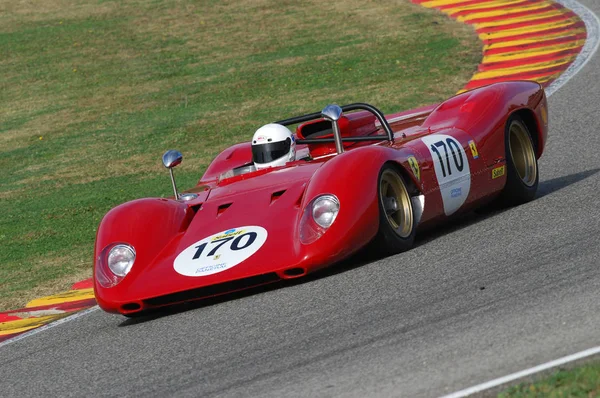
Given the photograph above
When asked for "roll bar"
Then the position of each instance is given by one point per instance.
(329, 113)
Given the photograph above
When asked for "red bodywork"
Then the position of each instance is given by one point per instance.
(275, 199)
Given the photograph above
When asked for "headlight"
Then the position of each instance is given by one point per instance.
(120, 259)
(325, 208)
(318, 216)
(113, 263)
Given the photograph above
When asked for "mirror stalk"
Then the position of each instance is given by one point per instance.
(171, 159)
(333, 113)
(339, 147)
(174, 185)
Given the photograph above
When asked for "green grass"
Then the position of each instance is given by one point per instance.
(93, 92)
(583, 382)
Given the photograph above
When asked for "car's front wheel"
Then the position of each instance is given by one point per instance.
(397, 224)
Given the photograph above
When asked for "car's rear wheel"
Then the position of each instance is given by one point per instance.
(396, 215)
(522, 176)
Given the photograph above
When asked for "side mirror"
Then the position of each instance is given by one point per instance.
(333, 113)
(171, 159)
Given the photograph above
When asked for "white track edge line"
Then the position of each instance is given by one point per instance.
(49, 325)
(592, 26)
(523, 373)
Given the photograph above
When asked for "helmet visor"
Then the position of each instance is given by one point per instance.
(271, 151)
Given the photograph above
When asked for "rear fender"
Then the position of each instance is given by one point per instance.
(537, 122)
(483, 113)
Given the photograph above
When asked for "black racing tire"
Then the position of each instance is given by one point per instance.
(397, 228)
(522, 172)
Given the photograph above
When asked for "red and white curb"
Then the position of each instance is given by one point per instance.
(44, 310)
(522, 39)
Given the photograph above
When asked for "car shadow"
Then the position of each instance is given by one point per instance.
(556, 184)
(461, 221)
(362, 257)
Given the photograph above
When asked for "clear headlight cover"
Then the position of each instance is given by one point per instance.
(318, 216)
(325, 209)
(120, 259)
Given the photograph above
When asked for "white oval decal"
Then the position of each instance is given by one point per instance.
(451, 169)
(221, 251)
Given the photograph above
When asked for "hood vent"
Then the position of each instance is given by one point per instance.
(276, 195)
(195, 208)
(222, 208)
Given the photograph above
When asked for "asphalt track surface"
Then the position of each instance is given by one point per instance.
(485, 297)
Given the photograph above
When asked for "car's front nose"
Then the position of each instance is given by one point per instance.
(233, 242)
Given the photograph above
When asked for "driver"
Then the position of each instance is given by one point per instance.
(273, 145)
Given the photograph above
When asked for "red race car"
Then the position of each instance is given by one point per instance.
(284, 205)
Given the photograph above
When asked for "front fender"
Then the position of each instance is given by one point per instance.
(352, 177)
(146, 224)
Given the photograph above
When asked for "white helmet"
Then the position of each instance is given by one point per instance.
(273, 145)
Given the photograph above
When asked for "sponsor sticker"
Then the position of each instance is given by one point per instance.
(473, 149)
(260, 138)
(498, 172)
(231, 232)
(221, 251)
(456, 192)
(414, 165)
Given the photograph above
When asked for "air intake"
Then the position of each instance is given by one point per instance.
(222, 208)
(276, 195)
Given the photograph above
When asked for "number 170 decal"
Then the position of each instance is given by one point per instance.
(220, 252)
(451, 170)
(449, 144)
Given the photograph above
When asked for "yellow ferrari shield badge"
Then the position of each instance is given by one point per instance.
(473, 149)
(414, 165)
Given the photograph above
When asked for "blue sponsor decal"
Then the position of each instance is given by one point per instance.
(456, 192)
(211, 268)
(229, 231)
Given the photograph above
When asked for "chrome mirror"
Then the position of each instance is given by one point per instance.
(333, 113)
(171, 159)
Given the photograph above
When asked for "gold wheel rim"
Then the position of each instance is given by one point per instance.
(396, 203)
(522, 153)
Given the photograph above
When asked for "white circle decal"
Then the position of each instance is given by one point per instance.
(221, 251)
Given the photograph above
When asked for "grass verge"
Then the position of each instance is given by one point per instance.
(92, 93)
(583, 382)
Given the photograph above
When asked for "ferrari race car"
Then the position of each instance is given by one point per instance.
(359, 180)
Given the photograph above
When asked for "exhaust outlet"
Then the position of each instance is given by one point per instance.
(131, 307)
